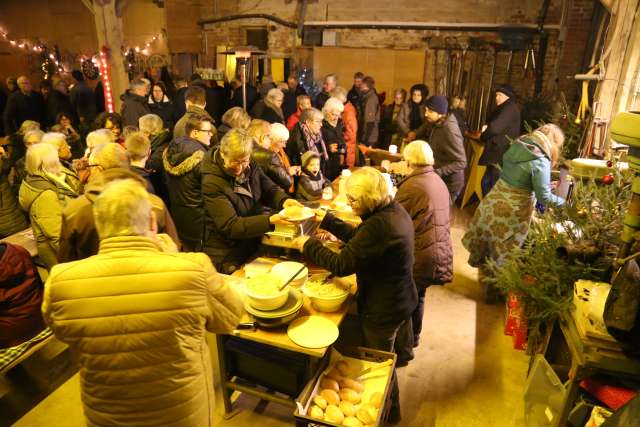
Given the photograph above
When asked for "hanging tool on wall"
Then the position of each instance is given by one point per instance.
(509, 62)
(529, 62)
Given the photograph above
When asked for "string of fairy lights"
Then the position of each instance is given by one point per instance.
(51, 56)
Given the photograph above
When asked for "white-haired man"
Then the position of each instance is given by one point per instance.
(424, 195)
(140, 340)
(78, 235)
(134, 103)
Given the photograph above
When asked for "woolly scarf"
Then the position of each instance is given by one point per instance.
(274, 107)
(314, 141)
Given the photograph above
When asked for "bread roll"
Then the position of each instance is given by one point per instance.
(352, 384)
(376, 399)
(316, 413)
(320, 401)
(330, 384)
(351, 422)
(367, 414)
(333, 414)
(343, 367)
(334, 374)
(348, 408)
(350, 395)
(330, 396)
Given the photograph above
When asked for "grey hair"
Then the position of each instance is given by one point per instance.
(331, 76)
(333, 105)
(279, 132)
(274, 94)
(340, 93)
(311, 114)
(42, 158)
(110, 155)
(236, 117)
(418, 153)
(33, 133)
(54, 138)
(97, 137)
(151, 124)
(123, 208)
(368, 187)
(235, 144)
(138, 84)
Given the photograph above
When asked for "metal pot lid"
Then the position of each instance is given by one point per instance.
(293, 304)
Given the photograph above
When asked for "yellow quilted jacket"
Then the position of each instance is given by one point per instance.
(136, 317)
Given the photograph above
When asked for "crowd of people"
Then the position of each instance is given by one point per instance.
(184, 179)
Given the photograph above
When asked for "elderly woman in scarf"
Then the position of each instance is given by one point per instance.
(332, 134)
(502, 220)
(307, 136)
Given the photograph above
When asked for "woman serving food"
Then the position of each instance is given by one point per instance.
(380, 253)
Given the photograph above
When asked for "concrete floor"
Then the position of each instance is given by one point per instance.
(465, 372)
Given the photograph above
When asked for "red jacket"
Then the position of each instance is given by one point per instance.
(293, 120)
(350, 120)
(20, 296)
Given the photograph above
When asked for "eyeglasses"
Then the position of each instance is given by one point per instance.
(209, 131)
(244, 162)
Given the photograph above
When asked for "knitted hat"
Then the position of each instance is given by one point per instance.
(306, 157)
(438, 103)
(507, 90)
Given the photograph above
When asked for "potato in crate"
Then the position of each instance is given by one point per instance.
(349, 390)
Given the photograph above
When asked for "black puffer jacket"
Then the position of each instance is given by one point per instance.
(159, 143)
(334, 135)
(234, 213)
(181, 161)
(272, 166)
(380, 253)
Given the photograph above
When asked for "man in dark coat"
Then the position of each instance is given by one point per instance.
(369, 113)
(135, 104)
(289, 105)
(424, 196)
(447, 144)
(330, 82)
(502, 127)
(196, 102)
(252, 96)
(236, 195)
(23, 104)
(59, 102)
(182, 162)
(354, 94)
(84, 100)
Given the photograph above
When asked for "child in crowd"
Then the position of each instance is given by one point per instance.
(312, 182)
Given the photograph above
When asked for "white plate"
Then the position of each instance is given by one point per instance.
(286, 269)
(306, 214)
(313, 332)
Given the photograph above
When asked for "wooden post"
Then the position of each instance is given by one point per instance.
(618, 41)
(108, 21)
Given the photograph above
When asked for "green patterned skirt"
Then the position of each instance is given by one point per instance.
(500, 223)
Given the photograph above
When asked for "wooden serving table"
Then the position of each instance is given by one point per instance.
(274, 341)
